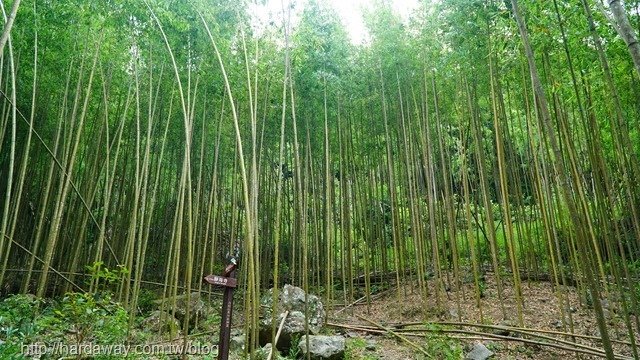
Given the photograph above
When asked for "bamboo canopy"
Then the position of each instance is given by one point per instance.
(473, 141)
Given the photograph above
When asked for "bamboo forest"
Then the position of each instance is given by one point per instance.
(222, 179)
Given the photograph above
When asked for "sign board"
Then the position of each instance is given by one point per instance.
(221, 281)
(229, 282)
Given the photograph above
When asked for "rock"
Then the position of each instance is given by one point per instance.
(322, 347)
(263, 353)
(479, 352)
(237, 340)
(294, 300)
(371, 345)
(453, 313)
(351, 334)
(161, 322)
(557, 324)
(506, 324)
(198, 309)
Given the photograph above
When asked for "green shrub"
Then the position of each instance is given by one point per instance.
(76, 318)
(356, 350)
(90, 318)
(17, 314)
(441, 346)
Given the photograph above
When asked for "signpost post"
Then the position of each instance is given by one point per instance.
(229, 282)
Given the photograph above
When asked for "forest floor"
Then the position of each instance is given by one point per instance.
(371, 331)
(541, 312)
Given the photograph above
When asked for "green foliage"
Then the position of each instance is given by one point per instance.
(17, 312)
(18, 324)
(440, 345)
(146, 301)
(378, 287)
(88, 317)
(454, 69)
(356, 350)
(211, 322)
(482, 287)
(104, 278)
(11, 351)
(294, 350)
(76, 318)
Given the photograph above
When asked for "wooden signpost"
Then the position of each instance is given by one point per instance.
(229, 282)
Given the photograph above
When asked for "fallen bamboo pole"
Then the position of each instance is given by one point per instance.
(525, 330)
(401, 337)
(576, 347)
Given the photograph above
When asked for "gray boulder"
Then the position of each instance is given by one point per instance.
(199, 310)
(322, 347)
(371, 345)
(263, 353)
(294, 300)
(479, 352)
(237, 340)
(161, 322)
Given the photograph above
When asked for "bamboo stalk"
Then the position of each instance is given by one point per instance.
(275, 339)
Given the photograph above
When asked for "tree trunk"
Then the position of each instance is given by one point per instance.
(9, 24)
(626, 32)
(564, 179)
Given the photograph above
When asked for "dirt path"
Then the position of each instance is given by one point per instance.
(541, 311)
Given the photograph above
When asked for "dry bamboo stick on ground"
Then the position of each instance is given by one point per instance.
(401, 337)
(513, 329)
(595, 352)
(543, 337)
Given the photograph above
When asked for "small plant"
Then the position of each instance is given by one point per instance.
(440, 345)
(83, 317)
(356, 350)
(482, 287)
(294, 350)
(16, 316)
(211, 322)
(102, 278)
(94, 319)
(146, 301)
